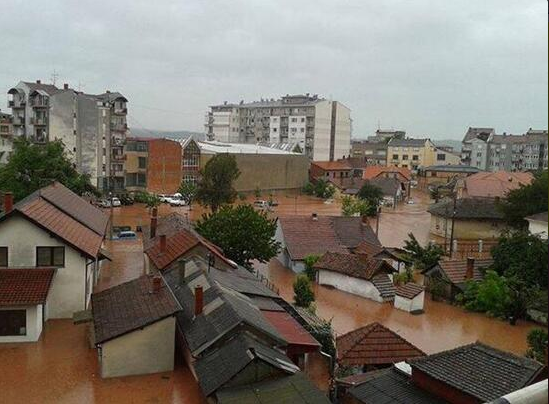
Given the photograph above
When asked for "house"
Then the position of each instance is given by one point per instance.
(390, 187)
(373, 347)
(443, 174)
(491, 185)
(418, 153)
(301, 236)
(55, 228)
(393, 255)
(471, 374)
(356, 274)
(23, 300)
(537, 224)
(329, 170)
(472, 219)
(410, 297)
(452, 275)
(402, 174)
(136, 317)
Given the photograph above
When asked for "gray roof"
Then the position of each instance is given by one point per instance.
(241, 280)
(224, 309)
(538, 217)
(479, 370)
(389, 186)
(49, 89)
(467, 208)
(301, 101)
(386, 287)
(110, 96)
(407, 142)
(453, 169)
(473, 133)
(295, 389)
(219, 367)
(391, 386)
(351, 231)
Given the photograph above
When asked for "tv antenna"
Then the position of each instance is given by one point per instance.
(54, 76)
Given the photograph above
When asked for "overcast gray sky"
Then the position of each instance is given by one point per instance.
(432, 68)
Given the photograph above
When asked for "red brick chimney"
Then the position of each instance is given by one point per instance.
(469, 273)
(156, 284)
(154, 222)
(162, 243)
(38, 82)
(198, 300)
(8, 202)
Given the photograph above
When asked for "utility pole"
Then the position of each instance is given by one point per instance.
(452, 230)
(377, 219)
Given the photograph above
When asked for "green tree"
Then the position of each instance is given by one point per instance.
(351, 206)
(152, 201)
(525, 201)
(524, 256)
(421, 257)
(33, 166)
(537, 345)
(323, 189)
(243, 233)
(187, 189)
(492, 295)
(371, 193)
(303, 291)
(216, 185)
(297, 149)
(310, 261)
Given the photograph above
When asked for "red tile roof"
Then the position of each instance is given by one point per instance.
(409, 290)
(177, 245)
(374, 171)
(46, 215)
(332, 165)
(130, 306)
(24, 286)
(456, 270)
(290, 329)
(374, 345)
(357, 266)
(304, 235)
(496, 184)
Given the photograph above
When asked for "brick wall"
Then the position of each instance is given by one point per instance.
(164, 166)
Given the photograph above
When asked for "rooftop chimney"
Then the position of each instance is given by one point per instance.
(65, 86)
(8, 202)
(154, 222)
(108, 91)
(198, 300)
(182, 265)
(156, 284)
(38, 82)
(314, 216)
(469, 273)
(162, 243)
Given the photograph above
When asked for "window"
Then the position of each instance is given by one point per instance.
(415, 157)
(441, 157)
(294, 119)
(275, 129)
(3, 256)
(142, 162)
(50, 256)
(404, 157)
(302, 130)
(302, 119)
(433, 173)
(13, 322)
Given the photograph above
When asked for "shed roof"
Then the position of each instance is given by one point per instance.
(468, 208)
(25, 286)
(538, 217)
(290, 329)
(409, 290)
(357, 266)
(455, 270)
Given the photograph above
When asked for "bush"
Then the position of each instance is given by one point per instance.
(490, 296)
(537, 345)
(351, 206)
(303, 291)
(310, 261)
(320, 188)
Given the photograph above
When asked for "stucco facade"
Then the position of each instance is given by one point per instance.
(147, 350)
(467, 229)
(538, 227)
(356, 286)
(68, 292)
(410, 305)
(34, 323)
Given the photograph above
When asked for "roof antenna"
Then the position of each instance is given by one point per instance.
(54, 76)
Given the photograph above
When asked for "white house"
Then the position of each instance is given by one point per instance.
(22, 314)
(537, 224)
(410, 297)
(356, 274)
(54, 228)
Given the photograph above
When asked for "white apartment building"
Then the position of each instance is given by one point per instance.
(321, 128)
(92, 127)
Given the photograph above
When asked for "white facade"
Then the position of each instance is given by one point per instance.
(410, 305)
(274, 129)
(68, 292)
(356, 286)
(538, 228)
(283, 256)
(143, 351)
(34, 322)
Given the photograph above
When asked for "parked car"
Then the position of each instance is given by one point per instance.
(125, 235)
(126, 200)
(116, 202)
(104, 203)
(410, 202)
(261, 204)
(164, 198)
(177, 201)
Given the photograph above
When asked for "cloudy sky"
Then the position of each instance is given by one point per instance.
(432, 68)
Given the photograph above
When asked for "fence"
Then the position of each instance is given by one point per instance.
(473, 249)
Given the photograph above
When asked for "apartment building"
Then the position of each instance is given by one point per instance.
(6, 137)
(321, 128)
(93, 127)
(372, 153)
(492, 152)
(418, 153)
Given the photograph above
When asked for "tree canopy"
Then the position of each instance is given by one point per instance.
(422, 257)
(351, 206)
(243, 233)
(32, 166)
(216, 185)
(320, 188)
(525, 201)
(303, 291)
(371, 194)
(187, 190)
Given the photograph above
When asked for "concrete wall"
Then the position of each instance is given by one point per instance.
(34, 325)
(539, 228)
(356, 286)
(61, 122)
(342, 145)
(410, 305)
(268, 171)
(467, 229)
(90, 132)
(323, 123)
(144, 351)
(68, 288)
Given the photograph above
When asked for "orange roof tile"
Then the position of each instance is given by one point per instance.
(498, 184)
(332, 165)
(374, 171)
(290, 329)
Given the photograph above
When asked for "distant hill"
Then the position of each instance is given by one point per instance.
(456, 144)
(176, 134)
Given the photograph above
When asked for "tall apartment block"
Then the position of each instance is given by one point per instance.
(92, 127)
(486, 150)
(321, 128)
(6, 136)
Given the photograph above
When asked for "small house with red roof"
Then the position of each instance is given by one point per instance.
(330, 170)
(410, 297)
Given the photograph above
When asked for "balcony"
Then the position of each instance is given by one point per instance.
(120, 111)
(118, 157)
(39, 102)
(38, 121)
(16, 103)
(119, 127)
(116, 141)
